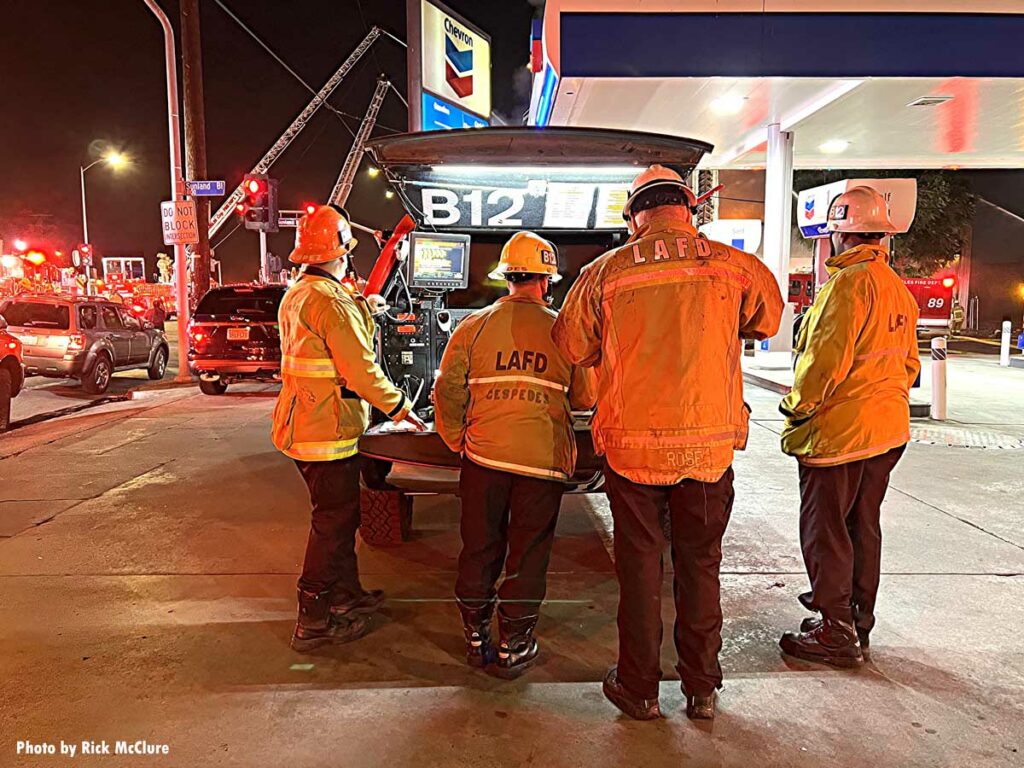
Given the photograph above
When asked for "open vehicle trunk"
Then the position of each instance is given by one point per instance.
(564, 183)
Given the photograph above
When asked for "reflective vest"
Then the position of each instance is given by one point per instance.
(858, 360)
(661, 320)
(504, 394)
(329, 373)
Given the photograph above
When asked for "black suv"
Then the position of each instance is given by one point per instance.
(87, 338)
(233, 336)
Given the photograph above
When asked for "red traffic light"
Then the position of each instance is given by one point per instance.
(255, 186)
(240, 209)
(948, 282)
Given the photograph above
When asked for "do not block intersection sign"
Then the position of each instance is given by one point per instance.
(179, 222)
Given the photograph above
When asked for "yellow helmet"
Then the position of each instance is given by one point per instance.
(527, 254)
(861, 210)
(656, 176)
(323, 235)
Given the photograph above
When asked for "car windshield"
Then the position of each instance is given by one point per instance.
(36, 314)
(254, 302)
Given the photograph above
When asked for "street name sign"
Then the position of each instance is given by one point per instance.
(179, 222)
(206, 188)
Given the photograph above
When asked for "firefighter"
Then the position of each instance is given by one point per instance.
(329, 380)
(847, 423)
(502, 400)
(956, 317)
(661, 319)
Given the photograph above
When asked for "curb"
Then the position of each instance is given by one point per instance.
(764, 383)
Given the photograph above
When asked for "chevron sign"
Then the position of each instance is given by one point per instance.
(458, 62)
(455, 61)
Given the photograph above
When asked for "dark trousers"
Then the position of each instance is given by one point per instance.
(841, 535)
(508, 521)
(331, 549)
(699, 513)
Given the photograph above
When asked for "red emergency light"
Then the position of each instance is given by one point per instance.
(948, 282)
(240, 209)
(35, 257)
(310, 209)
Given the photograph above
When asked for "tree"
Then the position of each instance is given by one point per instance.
(945, 208)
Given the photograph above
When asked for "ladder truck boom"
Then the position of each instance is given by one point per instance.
(220, 217)
(343, 186)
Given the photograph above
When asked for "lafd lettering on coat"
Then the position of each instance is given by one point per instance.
(527, 360)
(685, 248)
(896, 322)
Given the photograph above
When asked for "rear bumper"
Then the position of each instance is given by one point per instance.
(54, 367)
(259, 369)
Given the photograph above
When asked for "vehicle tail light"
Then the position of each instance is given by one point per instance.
(197, 335)
(76, 342)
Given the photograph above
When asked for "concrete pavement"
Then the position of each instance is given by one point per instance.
(147, 580)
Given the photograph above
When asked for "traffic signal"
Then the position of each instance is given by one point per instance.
(259, 209)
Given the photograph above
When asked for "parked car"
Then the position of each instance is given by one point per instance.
(12, 375)
(87, 338)
(233, 336)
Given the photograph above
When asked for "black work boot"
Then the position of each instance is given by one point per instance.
(700, 707)
(863, 636)
(344, 603)
(638, 709)
(518, 648)
(315, 626)
(829, 642)
(476, 626)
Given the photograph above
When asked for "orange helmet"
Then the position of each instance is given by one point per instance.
(527, 254)
(860, 210)
(323, 235)
(656, 176)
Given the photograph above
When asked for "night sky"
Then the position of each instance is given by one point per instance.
(78, 76)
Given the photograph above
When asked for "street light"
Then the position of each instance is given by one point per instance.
(115, 160)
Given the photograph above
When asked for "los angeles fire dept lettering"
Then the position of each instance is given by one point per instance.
(527, 360)
(702, 250)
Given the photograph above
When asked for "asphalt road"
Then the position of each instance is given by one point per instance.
(44, 398)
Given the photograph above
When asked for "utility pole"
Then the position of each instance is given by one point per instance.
(177, 184)
(195, 137)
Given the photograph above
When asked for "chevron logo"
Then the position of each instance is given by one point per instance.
(458, 63)
(809, 208)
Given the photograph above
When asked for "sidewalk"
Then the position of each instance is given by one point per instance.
(978, 391)
(148, 593)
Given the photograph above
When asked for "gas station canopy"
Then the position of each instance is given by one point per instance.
(863, 84)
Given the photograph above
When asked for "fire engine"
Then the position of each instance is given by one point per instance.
(934, 296)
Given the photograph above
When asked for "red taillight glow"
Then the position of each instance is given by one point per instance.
(76, 342)
(948, 282)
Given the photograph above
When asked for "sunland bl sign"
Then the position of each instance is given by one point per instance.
(455, 59)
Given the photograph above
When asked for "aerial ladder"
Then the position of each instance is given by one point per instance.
(343, 186)
(222, 214)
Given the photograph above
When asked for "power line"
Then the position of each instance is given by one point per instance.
(340, 114)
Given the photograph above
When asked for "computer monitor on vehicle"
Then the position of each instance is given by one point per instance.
(438, 262)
